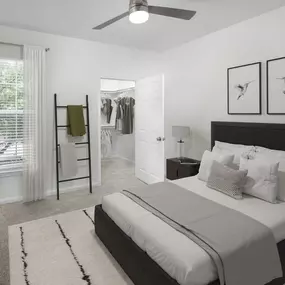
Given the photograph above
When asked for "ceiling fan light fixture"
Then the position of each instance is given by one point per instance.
(138, 11)
(139, 17)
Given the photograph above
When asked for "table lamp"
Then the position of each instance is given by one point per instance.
(180, 133)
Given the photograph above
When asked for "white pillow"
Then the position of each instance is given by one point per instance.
(234, 165)
(262, 178)
(207, 161)
(237, 149)
(275, 155)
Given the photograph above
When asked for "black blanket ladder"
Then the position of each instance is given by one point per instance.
(89, 177)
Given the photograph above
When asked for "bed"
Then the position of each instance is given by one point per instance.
(152, 258)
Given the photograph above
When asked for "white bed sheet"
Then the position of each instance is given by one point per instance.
(181, 258)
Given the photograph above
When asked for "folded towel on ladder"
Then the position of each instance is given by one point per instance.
(68, 160)
(75, 120)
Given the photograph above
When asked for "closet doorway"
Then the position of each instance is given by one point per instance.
(117, 131)
(132, 131)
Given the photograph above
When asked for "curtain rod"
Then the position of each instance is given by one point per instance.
(11, 44)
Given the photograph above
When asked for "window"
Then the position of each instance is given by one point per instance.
(11, 114)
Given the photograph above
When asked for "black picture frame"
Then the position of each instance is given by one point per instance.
(268, 85)
(259, 84)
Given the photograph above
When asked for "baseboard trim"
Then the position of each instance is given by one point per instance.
(10, 200)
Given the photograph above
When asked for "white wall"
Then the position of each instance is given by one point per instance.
(74, 68)
(196, 76)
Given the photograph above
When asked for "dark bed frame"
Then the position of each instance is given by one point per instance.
(141, 269)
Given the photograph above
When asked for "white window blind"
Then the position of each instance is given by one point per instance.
(11, 114)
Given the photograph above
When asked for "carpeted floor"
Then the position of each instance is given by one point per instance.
(117, 174)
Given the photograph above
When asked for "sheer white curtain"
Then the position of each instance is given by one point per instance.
(34, 184)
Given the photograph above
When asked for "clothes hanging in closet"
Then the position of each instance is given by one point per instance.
(125, 115)
(107, 108)
(106, 143)
(119, 116)
(129, 112)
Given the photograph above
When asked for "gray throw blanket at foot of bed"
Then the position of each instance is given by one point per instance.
(243, 249)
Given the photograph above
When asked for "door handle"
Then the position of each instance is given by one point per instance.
(160, 139)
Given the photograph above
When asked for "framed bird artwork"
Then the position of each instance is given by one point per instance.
(276, 86)
(244, 89)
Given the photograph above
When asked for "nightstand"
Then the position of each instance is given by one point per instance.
(177, 168)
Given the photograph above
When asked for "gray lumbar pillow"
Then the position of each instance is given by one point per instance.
(227, 180)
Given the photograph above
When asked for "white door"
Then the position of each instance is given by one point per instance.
(149, 129)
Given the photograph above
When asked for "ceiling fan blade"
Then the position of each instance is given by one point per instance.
(112, 21)
(172, 12)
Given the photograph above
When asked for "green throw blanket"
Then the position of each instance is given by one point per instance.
(75, 121)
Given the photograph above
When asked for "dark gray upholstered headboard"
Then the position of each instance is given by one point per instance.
(267, 135)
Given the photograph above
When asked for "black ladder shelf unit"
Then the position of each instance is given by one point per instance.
(56, 107)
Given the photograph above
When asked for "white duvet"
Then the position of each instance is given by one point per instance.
(181, 258)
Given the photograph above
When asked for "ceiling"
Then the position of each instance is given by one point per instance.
(75, 18)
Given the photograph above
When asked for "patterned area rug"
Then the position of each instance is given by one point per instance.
(61, 250)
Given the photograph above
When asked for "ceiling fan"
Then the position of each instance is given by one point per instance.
(139, 13)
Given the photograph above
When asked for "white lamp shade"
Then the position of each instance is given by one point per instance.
(180, 132)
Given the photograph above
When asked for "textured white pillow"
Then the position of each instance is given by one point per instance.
(237, 149)
(207, 161)
(275, 155)
(262, 178)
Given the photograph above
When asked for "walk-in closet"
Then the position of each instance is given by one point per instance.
(117, 129)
